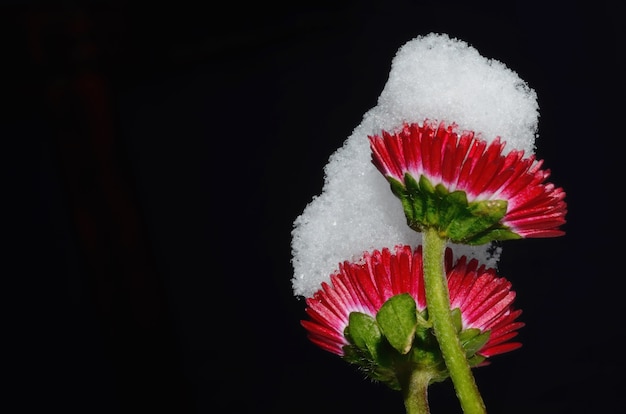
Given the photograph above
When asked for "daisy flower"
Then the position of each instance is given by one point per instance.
(374, 313)
(466, 188)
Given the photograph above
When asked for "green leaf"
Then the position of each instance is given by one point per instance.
(363, 331)
(397, 319)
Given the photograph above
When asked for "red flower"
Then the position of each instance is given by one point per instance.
(484, 299)
(432, 169)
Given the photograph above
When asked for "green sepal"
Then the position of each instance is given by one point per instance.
(399, 190)
(375, 370)
(475, 360)
(422, 320)
(473, 340)
(400, 340)
(364, 332)
(370, 350)
(456, 319)
(397, 319)
(479, 217)
(453, 206)
(412, 186)
(432, 200)
(433, 206)
(498, 233)
(426, 354)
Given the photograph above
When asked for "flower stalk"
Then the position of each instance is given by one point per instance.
(415, 392)
(437, 297)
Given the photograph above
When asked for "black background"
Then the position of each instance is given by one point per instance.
(156, 155)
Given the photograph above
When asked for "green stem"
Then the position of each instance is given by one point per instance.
(415, 392)
(438, 301)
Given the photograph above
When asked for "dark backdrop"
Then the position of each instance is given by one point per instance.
(155, 158)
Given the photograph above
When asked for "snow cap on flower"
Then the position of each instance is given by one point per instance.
(358, 292)
(440, 78)
(431, 77)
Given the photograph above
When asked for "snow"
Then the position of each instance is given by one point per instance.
(433, 77)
